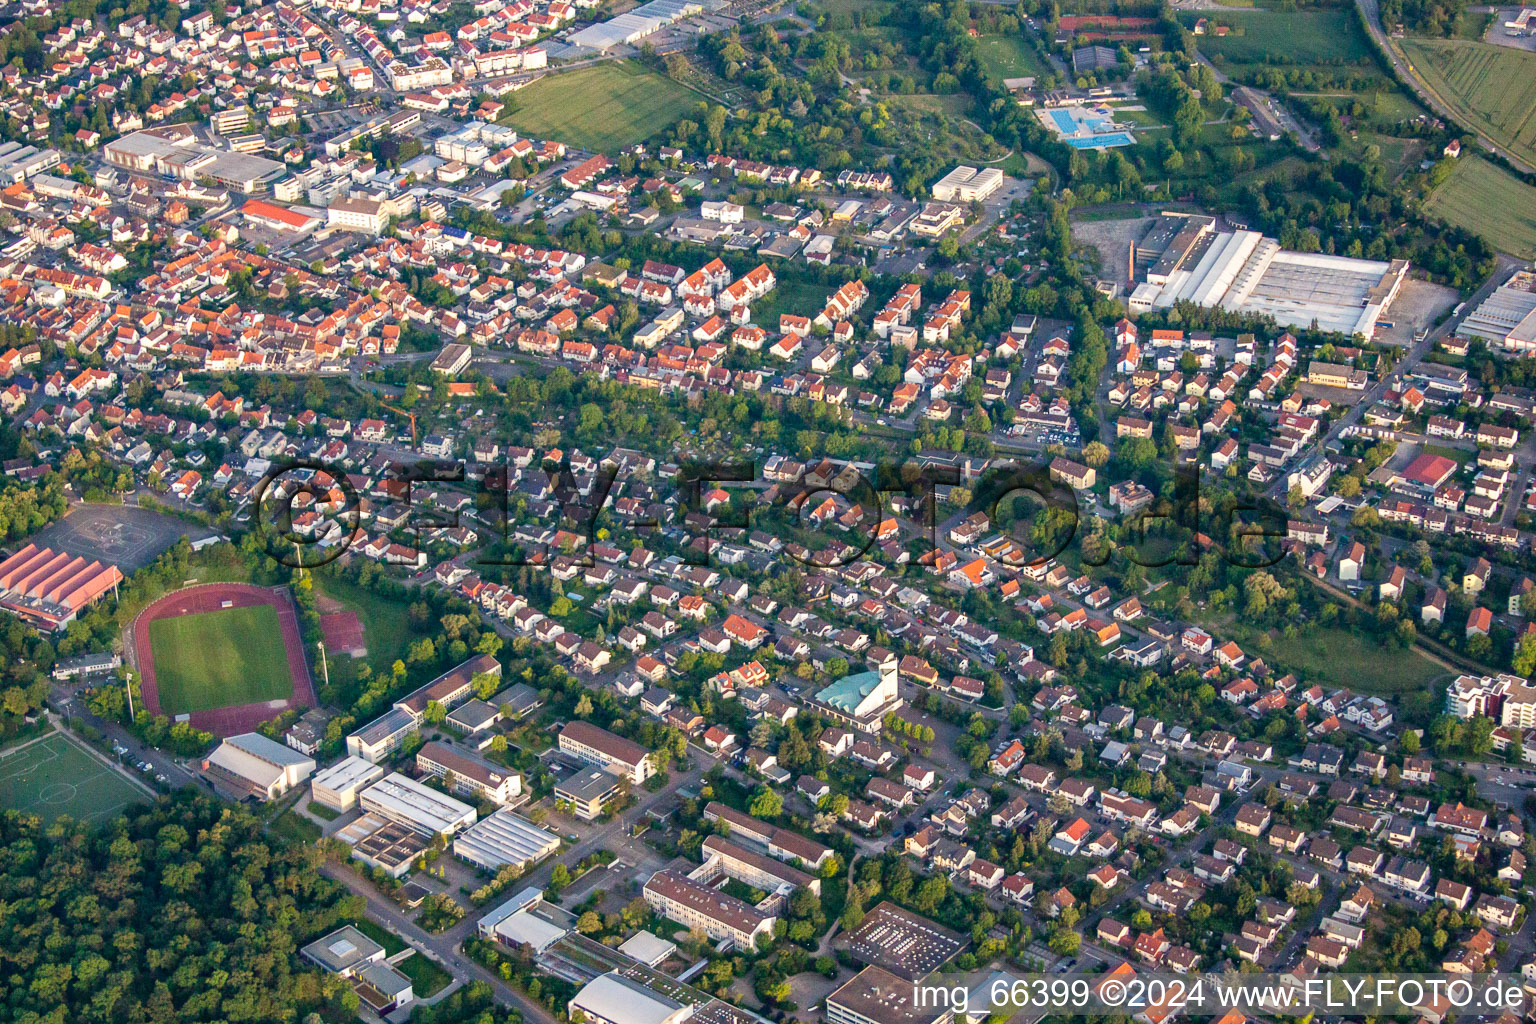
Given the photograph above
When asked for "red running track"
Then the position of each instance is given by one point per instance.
(211, 597)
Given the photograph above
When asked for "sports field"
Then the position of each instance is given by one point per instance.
(1284, 37)
(1485, 198)
(1007, 57)
(602, 108)
(52, 776)
(220, 658)
(1492, 87)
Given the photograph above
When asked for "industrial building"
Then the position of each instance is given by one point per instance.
(48, 588)
(250, 765)
(403, 799)
(635, 25)
(339, 785)
(1506, 318)
(502, 839)
(1188, 260)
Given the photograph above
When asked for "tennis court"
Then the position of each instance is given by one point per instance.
(52, 776)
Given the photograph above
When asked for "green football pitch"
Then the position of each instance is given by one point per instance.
(52, 776)
(219, 659)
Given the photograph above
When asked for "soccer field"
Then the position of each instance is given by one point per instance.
(219, 659)
(52, 776)
(602, 108)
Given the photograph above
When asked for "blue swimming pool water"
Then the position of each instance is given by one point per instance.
(1064, 121)
(1106, 139)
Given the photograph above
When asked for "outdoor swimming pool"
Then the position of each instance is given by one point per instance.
(1083, 130)
(1105, 140)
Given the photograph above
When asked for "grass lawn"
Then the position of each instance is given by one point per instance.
(1493, 87)
(391, 942)
(52, 776)
(1283, 37)
(1335, 656)
(1485, 198)
(427, 978)
(790, 297)
(386, 622)
(1008, 57)
(602, 108)
(219, 659)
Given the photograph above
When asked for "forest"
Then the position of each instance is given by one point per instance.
(179, 911)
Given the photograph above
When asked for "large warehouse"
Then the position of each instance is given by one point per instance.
(1507, 318)
(1246, 272)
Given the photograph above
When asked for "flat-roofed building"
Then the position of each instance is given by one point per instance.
(614, 998)
(339, 785)
(344, 951)
(588, 792)
(876, 996)
(468, 774)
(601, 747)
(716, 914)
(379, 842)
(504, 838)
(403, 799)
(252, 765)
(967, 184)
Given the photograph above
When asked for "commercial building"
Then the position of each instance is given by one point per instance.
(280, 218)
(717, 914)
(504, 838)
(404, 800)
(339, 785)
(1246, 272)
(613, 998)
(601, 747)
(175, 152)
(468, 774)
(1507, 317)
(967, 184)
(588, 792)
(48, 588)
(250, 765)
(452, 360)
(350, 954)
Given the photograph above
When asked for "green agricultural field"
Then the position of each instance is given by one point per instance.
(1492, 87)
(602, 108)
(1485, 198)
(219, 659)
(53, 776)
(1008, 57)
(1284, 37)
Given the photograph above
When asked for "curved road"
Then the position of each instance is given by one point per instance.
(1409, 77)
